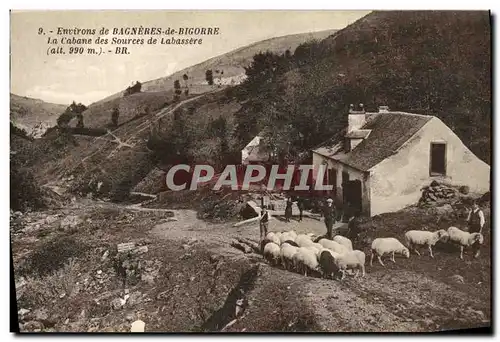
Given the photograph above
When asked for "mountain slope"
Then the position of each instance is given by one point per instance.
(429, 62)
(156, 94)
(231, 63)
(34, 115)
(412, 61)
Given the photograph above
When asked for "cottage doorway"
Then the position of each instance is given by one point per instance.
(352, 198)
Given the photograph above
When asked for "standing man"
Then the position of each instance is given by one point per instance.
(264, 222)
(329, 213)
(300, 205)
(475, 221)
(288, 209)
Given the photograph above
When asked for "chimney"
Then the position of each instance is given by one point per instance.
(383, 109)
(357, 117)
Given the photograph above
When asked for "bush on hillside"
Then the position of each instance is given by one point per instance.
(20, 132)
(136, 88)
(25, 193)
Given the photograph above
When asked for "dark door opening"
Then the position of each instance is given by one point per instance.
(438, 159)
(352, 198)
(345, 181)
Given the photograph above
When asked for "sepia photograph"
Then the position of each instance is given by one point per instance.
(242, 171)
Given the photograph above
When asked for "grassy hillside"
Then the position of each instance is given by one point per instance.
(98, 115)
(413, 61)
(207, 125)
(27, 113)
(429, 62)
(232, 63)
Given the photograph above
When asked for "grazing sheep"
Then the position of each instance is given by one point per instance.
(290, 242)
(303, 240)
(287, 236)
(333, 246)
(327, 263)
(311, 236)
(292, 233)
(263, 243)
(381, 246)
(286, 253)
(343, 241)
(317, 239)
(305, 260)
(464, 239)
(274, 237)
(272, 253)
(316, 248)
(353, 260)
(416, 238)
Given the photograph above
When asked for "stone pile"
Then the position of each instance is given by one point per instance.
(436, 192)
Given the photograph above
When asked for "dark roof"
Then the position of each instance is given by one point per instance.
(389, 131)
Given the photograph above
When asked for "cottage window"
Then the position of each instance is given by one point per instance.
(438, 159)
(345, 178)
(332, 178)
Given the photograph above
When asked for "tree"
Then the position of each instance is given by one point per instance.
(71, 111)
(136, 88)
(177, 90)
(79, 124)
(21, 132)
(264, 69)
(114, 117)
(307, 52)
(209, 76)
(186, 87)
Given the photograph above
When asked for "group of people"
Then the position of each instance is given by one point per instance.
(329, 213)
(475, 218)
(265, 216)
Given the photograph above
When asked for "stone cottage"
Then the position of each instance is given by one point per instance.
(381, 160)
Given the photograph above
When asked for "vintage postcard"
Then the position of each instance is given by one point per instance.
(250, 171)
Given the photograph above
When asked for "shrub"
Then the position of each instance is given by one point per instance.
(24, 191)
(39, 291)
(52, 256)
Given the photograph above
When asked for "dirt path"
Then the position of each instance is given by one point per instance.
(386, 299)
(409, 296)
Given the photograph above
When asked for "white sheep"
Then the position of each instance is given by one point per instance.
(415, 238)
(292, 233)
(353, 260)
(305, 260)
(333, 246)
(272, 253)
(274, 237)
(286, 236)
(343, 241)
(303, 240)
(464, 239)
(382, 246)
(286, 253)
(316, 248)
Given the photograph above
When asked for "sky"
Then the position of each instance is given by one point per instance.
(87, 78)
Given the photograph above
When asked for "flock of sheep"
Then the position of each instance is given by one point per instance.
(305, 253)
